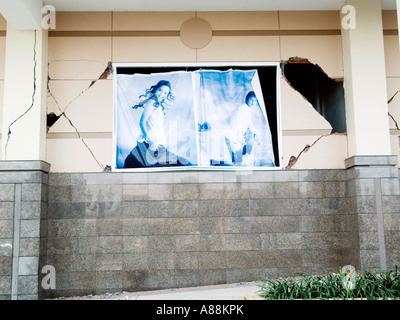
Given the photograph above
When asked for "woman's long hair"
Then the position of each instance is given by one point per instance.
(150, 95)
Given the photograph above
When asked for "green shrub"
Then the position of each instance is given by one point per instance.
(379, 285)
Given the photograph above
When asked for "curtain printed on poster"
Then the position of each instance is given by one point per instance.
(203, 118)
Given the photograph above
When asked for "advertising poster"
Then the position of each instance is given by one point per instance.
(203, 118)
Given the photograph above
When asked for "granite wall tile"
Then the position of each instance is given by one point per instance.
(6, 192)
(6, 210)
(151, 230)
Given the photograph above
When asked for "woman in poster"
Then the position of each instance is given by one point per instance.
(246, 135)
(151, 150)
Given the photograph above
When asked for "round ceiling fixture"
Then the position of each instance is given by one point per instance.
(196, 33)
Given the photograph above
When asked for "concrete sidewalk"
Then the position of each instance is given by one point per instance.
(237, 291)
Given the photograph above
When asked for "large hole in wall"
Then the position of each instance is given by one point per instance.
(324, 93)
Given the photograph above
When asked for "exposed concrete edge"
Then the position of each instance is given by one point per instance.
(389, 160)
(24, 165)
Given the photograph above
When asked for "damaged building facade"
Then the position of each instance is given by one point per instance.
(334, 200)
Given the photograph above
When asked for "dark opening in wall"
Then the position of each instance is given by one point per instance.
(324, 93)
(51, 119)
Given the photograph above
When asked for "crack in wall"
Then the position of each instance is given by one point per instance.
(104, 75)
(52, 118)
(293, 160)
(389, 101)
(32, 102)
(296, 60)
(325, 94)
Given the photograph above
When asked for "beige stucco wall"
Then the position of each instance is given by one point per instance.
(392, 56)
(75, 59)
(83, 43)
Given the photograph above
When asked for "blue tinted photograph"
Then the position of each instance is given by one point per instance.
(233, 125)
(155, 121)
(201, 118)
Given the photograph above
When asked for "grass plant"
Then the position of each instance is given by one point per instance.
(366, 285)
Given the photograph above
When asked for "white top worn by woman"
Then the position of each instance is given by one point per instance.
(152, 125)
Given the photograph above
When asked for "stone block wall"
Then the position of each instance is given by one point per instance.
(110, 232)
(23, 204)
(375, 192)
